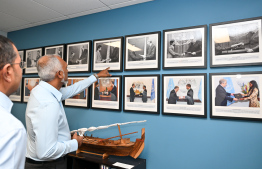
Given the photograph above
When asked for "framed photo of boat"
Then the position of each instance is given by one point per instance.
(185, 47)
(236, 43)
(106, 93)
(78, 56)
(108, 53)
(17, 95)
(184, 94)
(141, 93)
(236, 95)
(142, 51)
(31, 58)
(79, 100)
(28, 84)
(55, 50)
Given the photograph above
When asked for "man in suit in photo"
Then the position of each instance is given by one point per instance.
(195, 48)
(173, 96)
(82, 56)
(96, 96)
(132, 93)
(114, 54)
(150, 51)
(113, 92)
(221, 95)
(189, 96)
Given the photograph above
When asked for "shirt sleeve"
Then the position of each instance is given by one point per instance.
(46, 142)
(14, 149)
(78, 87)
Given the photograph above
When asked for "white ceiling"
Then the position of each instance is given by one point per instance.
(20, 14)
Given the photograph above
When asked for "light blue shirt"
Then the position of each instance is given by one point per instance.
(48, 132)
(12, 137)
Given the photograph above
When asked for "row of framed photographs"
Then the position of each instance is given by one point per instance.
(233, 43)
(232, 95)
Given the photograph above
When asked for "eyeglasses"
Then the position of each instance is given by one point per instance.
(21, 64)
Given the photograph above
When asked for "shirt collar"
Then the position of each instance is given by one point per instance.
(5, 102)
(57, 94)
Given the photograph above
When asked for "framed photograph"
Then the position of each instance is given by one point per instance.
(29, 84)
(141, 93)
(55, 50)
(142, 51)
(78, 56)
(236, 95)
(17, 95)
(79, 100)
(31, 58)
(22, 56)
(106, 93)
(236, 43)
(184, 94)
(108, 53)
(185, 47)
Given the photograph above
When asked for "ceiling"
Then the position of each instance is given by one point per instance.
(20, 14)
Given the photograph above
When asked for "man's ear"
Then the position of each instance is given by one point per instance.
(60, 74)
(7, 71)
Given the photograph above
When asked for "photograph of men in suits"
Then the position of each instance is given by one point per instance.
(189, 96)
(221, 95)
(78, 55)
(173, 98)
(113, 92)
(29, 60)
(114, 54)
(194, 49)
(132, 93)
(150, 50)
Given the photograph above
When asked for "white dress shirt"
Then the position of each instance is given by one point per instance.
(48, 132)
(12, 137)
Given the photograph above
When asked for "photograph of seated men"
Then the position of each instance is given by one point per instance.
(78, 55)
(106, 90)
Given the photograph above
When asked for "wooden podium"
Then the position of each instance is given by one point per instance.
(88, 161)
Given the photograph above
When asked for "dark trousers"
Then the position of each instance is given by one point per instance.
(56, 164)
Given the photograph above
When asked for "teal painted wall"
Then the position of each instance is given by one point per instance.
(171, 141)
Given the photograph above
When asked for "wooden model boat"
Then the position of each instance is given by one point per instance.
(106, 147)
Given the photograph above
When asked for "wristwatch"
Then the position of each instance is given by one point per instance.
(96, 76)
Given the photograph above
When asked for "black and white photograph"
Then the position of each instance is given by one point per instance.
(80, 99)
(236, 43)
(31, 58)
(55, 50)
(78, 56)
(29, 84)
(21, 54)
(17, 95)
(108, 53)
(142, 51)
(185, 47)
(107, 92)
(184, 94)
(236, 95)
(141, 93)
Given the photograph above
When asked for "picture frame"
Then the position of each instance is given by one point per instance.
(236, 43)
(184, 94)
(236, 95)
(28, 84)
(78, 56)
(185, 47)
(18, 94)
(108, 53)
(81, 99)
(55, 50)
(136, 98)
(142, 51)
(31, 58)
(106, 93)
(22, 56)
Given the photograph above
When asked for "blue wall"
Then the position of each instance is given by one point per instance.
(171, 141)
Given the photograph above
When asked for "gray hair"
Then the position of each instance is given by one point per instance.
(221, 81)
(47, 70)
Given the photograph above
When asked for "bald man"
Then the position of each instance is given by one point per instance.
(48, 133)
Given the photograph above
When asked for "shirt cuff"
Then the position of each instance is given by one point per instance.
(73, 145)
(92, 78)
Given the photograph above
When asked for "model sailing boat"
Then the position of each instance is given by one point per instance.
(120, 147)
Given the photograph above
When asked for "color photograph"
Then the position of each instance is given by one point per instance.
(185, 47)
(142, 51)
(106, 93)
(80, 99)
(236, 43)
(29, 84)
(184, 94)
(31, 58)
(141, 93)
(236, 95)
(108, 53)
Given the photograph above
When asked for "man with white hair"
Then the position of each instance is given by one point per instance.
(48, 133)
(221, 95)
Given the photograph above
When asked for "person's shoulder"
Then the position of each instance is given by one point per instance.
(10, 123)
